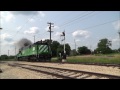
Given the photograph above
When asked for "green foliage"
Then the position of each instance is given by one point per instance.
(83, 50)
(67, 49)
(100, 59)
(119, 49)
(73, 52)
(2, 57)
(60, 49)
(5, 57)
(54, 46)
(104, 46)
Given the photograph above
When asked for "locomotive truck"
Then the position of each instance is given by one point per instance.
(39, 51)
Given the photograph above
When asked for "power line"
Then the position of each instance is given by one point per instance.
(72, 19)
(75, 44)
(97, 25)
(15, 50)
(76, 19)
(25, 23)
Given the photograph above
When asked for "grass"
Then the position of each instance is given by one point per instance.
(8, 60)
(103, 59)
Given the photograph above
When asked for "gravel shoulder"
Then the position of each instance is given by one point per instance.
(90, 68)
(19, 73)
(9, 72)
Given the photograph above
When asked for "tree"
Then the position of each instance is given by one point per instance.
(119, 49)
(67, 49)
(104, 46)
(3, 57)
(61, 49)
(54, 46)
(84, 50)
(73, 52)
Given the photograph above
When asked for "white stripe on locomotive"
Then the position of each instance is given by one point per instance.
(43, 48)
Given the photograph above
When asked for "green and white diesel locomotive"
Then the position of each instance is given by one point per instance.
(39, 51)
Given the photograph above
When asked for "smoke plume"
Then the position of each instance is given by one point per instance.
(22, 43)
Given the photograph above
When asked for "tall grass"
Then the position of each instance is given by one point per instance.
(111, 59)
(102, 59)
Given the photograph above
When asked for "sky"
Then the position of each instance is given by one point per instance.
(85, 28)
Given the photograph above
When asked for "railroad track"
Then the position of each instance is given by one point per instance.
(97, 64)
(65, 73)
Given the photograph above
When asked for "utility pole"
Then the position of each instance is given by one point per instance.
(0, 32)
(8, 52)
(50, 25)
(15, 50)
(119, 29)
(91, 49)
(75, 45)
(34, 38)
(0, 40)
(119, 39)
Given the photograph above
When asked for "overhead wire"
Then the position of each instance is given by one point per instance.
(71, 21)
(26, 22)
(96, 25)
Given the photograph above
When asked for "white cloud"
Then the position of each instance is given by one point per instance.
(57, 34)
(33, 30)
(70, 43)
(81, 33)
(56, 27)
(32, 20)
(2, 16)
(6, 42)
(7, 16)
(77, 40)
(41, 14)
(6, 37)
(116, 25)
(11, 44)
(43, 39)
(18, 28)
(115, 43)
(47, 28)
(115, 40)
